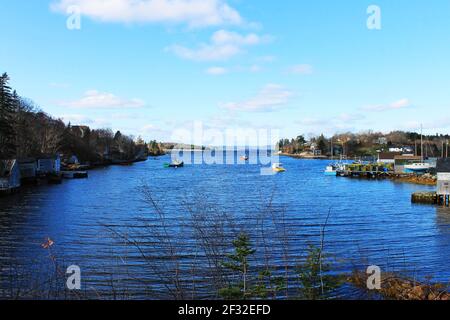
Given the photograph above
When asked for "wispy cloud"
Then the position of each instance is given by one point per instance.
(272, 97)
(304, 69)
(194, 13)
(266, 59)
(396, 105)
(442, 123)
(343, 122)
(222, 46)
(93, 99)
(216, 71)
(79, 119)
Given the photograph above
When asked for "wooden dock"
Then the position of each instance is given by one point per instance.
(430, 198)
(75, 174)
(363, 174)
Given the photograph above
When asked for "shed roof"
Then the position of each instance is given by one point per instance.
(443, 165)
(405, 157)
(388, 155)
(6, 167)
(26, 160)
(48, 157)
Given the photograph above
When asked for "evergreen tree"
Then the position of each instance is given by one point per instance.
(7, 134)
(239, 263)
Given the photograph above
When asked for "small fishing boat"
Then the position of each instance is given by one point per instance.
(276, 167)
(331, 170)
(420, 167)
(174, 164)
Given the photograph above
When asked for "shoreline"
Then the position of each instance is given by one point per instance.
(426, 180)
(298, 156)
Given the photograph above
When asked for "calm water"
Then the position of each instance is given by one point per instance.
(372, 222)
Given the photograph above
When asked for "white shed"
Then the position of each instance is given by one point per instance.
(443, 177)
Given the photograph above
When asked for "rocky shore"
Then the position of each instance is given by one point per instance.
(426, 179)
(395, 287)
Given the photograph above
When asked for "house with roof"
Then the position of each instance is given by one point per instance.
(9, 176)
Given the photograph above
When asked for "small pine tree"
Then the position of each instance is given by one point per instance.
(238, 262)
(7, 112)
(315, 281)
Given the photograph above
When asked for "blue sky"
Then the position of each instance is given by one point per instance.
(150, 67)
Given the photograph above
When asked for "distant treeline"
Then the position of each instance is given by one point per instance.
(26, 131)
(367, 143)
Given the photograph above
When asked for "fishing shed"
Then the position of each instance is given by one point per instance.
(49, 164)
(443, 177)
(387, 157)
(28, 169)
(9, 175)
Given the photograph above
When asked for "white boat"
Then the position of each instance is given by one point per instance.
(331, 170)
(418, 167)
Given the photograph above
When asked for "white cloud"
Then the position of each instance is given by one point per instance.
(270, 98)
(77, 119)
(349, 117)
(403, 103)
(223, 46)
(80, 119)
(304, 69)
(216, 71)
(255, 68)
(150, 128)
(400, 104)
(266, 59)
(94, 99)
(195, 13)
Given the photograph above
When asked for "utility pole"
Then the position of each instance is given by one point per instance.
(421, 141)
(332, 149)
(446, 150)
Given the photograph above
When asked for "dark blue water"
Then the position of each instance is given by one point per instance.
(371, 222)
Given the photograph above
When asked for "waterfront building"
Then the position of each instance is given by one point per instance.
(387, 157)
(443, 177)
(49, 165)
(28, 169)
(9, 176)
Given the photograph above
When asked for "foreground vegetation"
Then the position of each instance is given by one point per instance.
(211, 254)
